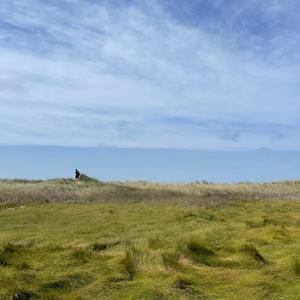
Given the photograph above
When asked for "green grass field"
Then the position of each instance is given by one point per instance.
(62, 239)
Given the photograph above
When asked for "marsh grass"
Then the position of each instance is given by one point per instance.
(130, 262)
(102, 246)
(24, 295)
(72, 281)
(199, 252)
(296, 266)
(7, 252)
(251, 252)
(80, 255)
(85, 178)
(62, 239)
(171, 259)
(89, 189)
(185, 285)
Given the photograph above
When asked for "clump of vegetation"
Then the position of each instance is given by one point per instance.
(154, 243)
(72, 281)
(170, 259)
(130, 262)
(80, 255)
(24, 295)
(6, 253)
(198, 251)
(100, 247)
(104, 245)
(198, 248)
(186, 285)
(296, 266)
(86, 178)
(10, 248)
(268, 221)
(23, 266)
(3, 261)
(251, 251)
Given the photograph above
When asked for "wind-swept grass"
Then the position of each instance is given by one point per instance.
(253, 253)
(94, 240)
(296, 265)
(87, 190)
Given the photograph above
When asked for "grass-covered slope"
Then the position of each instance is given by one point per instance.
(89, 190)
(63, 239)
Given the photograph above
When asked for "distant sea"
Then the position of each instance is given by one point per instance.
(45, 162)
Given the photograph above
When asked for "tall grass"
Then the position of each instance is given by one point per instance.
(67, 239)
(91, 190)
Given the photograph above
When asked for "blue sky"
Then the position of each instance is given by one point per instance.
(196, 74)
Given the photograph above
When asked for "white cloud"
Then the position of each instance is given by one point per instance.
(77, 73)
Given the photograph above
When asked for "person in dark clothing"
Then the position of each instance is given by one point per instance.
(77, 174)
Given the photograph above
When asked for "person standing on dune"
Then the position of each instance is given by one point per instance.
(77, 174)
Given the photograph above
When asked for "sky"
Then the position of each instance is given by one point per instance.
(192, 74)
(158, 165)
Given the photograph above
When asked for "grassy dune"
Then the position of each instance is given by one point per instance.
(62, 239)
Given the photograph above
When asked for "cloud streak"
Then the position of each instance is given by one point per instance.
(203, 74)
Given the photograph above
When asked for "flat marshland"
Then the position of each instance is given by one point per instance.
(61, 239)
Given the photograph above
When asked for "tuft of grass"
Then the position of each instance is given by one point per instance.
(186, 285)
(6, 253)
(10, 248)
(24, 266)
(209, 216)
(85, 178)
(104, 245)
(170, 259)
(80, 255)
(3, 261)
(198, 248)
(296, 266)
(266, 289)
(24, 295)
(183, 284)
(72, 281)
(251, 251)
(100, 246)
(130, 262)
(198, 251)
(268, 221)
(154, 243)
